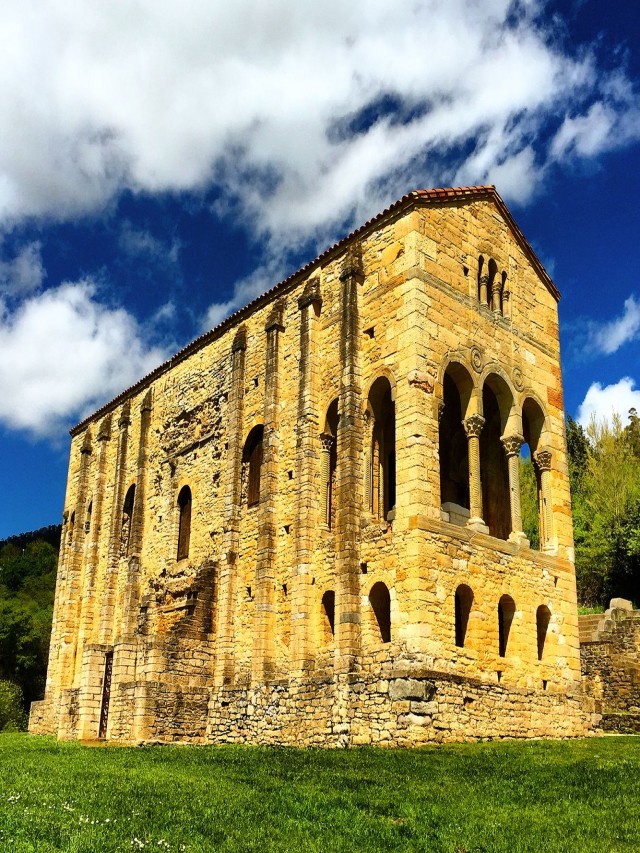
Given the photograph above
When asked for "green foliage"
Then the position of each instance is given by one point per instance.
(12, 715)
(529, 502)
(581, 795)
(604, 472)
(27, 584)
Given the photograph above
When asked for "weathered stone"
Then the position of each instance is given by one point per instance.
(313, 589)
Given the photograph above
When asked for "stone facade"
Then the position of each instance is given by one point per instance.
(305, 527)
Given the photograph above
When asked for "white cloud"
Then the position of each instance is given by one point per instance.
(172, 95)
(136, 241)
(24, 273)
(601, 402)
(608, 337)
(63, 353)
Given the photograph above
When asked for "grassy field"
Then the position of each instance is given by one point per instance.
(510, 796)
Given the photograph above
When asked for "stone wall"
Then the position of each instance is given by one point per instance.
(610, 661)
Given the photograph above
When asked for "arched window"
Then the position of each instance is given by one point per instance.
(497, 403)
(453, 443)
(127, 515)
(72, 524)
(184, 524)
(380, 602)
(329, 440)
(252, 458)
(506, 611)
(381, 449)
(543, 617)
(462, 605)
(329, 614)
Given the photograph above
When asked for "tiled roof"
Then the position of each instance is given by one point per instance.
(442, 195)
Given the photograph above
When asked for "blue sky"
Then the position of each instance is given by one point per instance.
(163, 162)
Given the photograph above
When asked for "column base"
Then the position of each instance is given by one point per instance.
(519, 538)
(477, 524)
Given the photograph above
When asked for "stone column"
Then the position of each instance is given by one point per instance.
(484, 289)
(87, 603)
(473, 427)
(542, 458)
(512, 445)
(349, 478)
(496, 295)
(226, 595)
(327, 442)
(263, 659)
(107, 631)
(309, 304)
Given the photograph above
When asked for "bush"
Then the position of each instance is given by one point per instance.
(12, 715)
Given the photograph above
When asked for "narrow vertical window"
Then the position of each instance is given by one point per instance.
(543, 617)
(506, 611)
(329, 614)
(380, 451)
(184, 525)
(127, 515)
(380, 602)
(462, 606)
(252, 457)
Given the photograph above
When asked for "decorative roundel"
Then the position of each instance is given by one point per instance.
(476, 359)
(518, 379)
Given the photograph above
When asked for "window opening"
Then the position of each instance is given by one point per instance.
(184, 523)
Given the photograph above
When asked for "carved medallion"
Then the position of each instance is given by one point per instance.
(518, 379)
(476, 359)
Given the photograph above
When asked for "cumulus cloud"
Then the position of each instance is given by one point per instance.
(63, 353)
(607, 338)
(601, 402)
(284, 106)
(22, 274)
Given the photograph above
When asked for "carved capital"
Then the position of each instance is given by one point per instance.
(473, 426)
(496, 285)
(311, 294)
(542, 458)
(327, 441)
(512, 444)
(484, 280)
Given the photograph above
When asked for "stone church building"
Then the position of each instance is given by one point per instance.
(305, 527)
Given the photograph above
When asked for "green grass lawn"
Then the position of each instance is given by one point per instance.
(511, 796)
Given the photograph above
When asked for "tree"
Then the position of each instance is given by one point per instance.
(27, 584)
